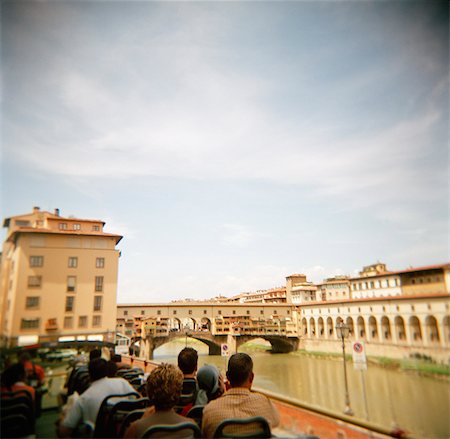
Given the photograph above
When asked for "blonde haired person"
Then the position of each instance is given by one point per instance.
(163, 389)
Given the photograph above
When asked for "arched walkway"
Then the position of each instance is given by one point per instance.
(373, 328)
(312, 327)
(361, 327)
(330, 327)
(349, 323)
(431, 329)
(385, 329)
(400, 331)
(304, 327)
(320, 328)
(446, 324)
(415, 329)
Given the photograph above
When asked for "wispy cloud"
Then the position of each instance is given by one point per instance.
(235, 235)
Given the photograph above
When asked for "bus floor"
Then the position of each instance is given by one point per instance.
(46, 424)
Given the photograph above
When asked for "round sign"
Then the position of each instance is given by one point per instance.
(358, 347)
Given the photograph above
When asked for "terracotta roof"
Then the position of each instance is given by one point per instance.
(408, 270)
(62, 232)
(375, 299)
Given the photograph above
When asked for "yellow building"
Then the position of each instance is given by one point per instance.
(58, 279)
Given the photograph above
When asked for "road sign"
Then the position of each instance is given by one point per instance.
(359, 355)
(225, 350)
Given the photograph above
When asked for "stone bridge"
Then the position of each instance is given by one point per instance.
(279, 343)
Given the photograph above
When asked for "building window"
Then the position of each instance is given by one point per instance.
(205, 312)
(261, 311)
(288, 311)
(248, 311)
(100, 263)
(30, 323)
(71, 283)
(36, 261)
(158, 312)
(96, 321)
(34, 281)
(73, 262)
(62, 226)
(190, 312)
(98, 303)
(125, 313)
(68, 322)
(70, 302)
(22, 223)
(96, 228)
(219, 312)
(142, 312)
(77, 227)
(275, 311)
(32, 302)
(234, 311)
(98, 283)
(82, 321)
(174, 311)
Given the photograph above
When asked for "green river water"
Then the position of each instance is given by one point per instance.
(418, 404)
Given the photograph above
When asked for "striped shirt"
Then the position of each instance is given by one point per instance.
(237, 402)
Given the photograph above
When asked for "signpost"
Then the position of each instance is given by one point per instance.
(225, 350)
(360, 363)
(359, 355)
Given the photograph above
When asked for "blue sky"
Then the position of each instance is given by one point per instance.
(232, 143)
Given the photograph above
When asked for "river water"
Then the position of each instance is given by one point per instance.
(420, 405)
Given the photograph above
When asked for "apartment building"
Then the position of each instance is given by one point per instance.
(58, 279)
(299, 290)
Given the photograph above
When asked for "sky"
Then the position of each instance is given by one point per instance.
(232, 143)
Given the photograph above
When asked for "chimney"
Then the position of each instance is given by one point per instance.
(36, 209)
(57, 212)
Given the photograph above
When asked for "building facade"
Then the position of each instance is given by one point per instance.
(58, 279)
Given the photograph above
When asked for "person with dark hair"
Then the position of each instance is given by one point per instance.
(238, 401)
(86, 407)
(13, 378)
(112, 369)
(187, 362)
(163, 389)
(95, 353)
(35, 374)
(117, 358)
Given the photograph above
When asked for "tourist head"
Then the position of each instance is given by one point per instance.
(95, 353)
(13, 374)
(117, 358)
(209, 380)
(164, 386)
(240, 370)
(187, 360)
(25, 357)
(111, 369)
(98, 368)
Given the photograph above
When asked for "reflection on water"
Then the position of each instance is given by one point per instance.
(418, 404)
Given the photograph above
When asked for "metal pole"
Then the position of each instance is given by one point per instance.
(348, 410)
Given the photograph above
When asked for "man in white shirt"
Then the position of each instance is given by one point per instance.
(86, 408)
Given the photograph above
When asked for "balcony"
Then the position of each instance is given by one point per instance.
(51, 325)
